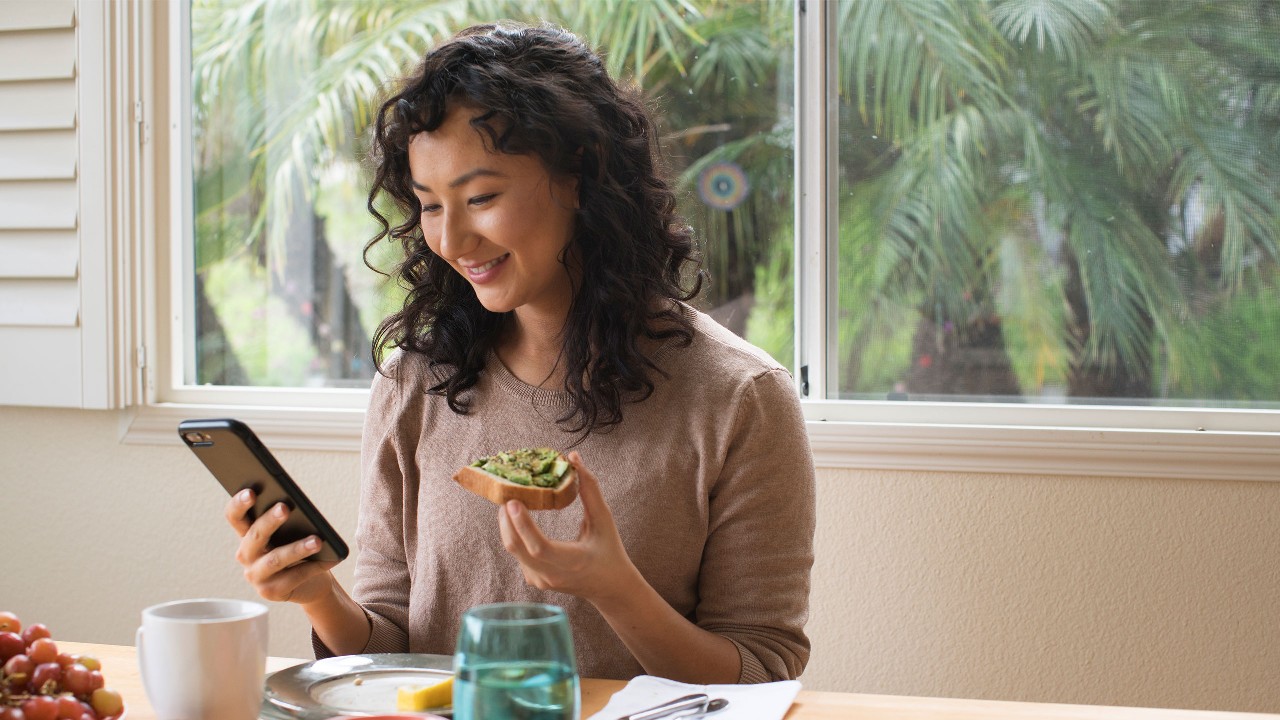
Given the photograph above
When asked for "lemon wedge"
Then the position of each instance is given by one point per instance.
(416, 698)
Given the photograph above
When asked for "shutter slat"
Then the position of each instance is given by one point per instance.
(39, 254)
(36, 14)
(44, 205)
(39, 155)
(43, 365)
(39, 303)
(38, 55)
(40, 105)
(42, 334)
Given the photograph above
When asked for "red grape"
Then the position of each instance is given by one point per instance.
(42, 651)
(95, 680)
(40, 707)
(69, 708)
(11, 644)
(46, 678)
(18, 669)
(12, 713)
(10, 622)
(66, 659)
(76, 680)
(34, 633)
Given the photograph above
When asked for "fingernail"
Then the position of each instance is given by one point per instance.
(244, 495)
(280, 510)
(312, 543)
(513, 508)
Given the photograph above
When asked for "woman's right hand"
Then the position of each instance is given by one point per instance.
(278, 574)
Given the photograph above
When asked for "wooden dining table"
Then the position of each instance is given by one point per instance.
(120, 667)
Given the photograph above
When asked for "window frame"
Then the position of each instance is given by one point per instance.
(1007, 438)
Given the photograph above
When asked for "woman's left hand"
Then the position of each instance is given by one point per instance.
(594, 567)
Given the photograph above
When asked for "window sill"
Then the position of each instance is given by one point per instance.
(990, 448)
(280, 428)
(1102, 452)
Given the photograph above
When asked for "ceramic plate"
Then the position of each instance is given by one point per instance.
(350, 685)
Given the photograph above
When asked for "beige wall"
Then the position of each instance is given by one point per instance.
(1084, 590)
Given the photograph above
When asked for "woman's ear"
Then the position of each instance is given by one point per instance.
(564, 190)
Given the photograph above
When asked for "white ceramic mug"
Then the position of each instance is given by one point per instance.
(204, 659)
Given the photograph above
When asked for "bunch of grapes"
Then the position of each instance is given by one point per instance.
(39, 683)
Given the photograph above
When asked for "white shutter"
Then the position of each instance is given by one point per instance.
(52, 190)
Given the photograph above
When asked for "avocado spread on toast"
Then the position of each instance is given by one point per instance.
(535, 467)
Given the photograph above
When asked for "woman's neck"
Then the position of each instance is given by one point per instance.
(532, 348)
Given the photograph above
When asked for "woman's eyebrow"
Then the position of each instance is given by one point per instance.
(462, 179)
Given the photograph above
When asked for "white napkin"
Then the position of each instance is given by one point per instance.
(766, 701)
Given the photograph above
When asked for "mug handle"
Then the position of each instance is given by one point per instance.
(142, 663)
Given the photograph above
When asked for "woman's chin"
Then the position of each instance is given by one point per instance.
(495, 304)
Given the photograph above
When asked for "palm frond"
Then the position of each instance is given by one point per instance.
(910, 62)
(1068, 28)
(1223, 167)
(1127, 282)
(633, 36)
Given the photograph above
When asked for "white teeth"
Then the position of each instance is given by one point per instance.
(487, 266)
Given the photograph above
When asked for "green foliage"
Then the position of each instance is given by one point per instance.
(1099, 175)
(1056, 161)
(771, 325)
(271, 347)
(1234, 349)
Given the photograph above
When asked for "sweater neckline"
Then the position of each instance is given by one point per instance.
(558, 397)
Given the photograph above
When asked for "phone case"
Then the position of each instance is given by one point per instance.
(239, 460)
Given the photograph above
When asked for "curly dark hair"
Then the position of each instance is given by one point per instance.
(541, 91)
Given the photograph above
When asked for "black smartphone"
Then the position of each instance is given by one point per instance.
(239, 460)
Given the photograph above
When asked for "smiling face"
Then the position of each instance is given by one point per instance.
(501, 221)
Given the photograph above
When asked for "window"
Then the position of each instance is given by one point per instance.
(1043, 231)
(1061, 202)
(283, 98)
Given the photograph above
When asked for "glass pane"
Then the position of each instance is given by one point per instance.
(1068, 206)
(283, 97)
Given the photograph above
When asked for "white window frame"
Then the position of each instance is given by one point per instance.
(1006, 438)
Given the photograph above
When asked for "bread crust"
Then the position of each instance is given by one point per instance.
(499, 490)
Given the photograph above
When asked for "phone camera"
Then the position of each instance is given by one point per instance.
(197, 438)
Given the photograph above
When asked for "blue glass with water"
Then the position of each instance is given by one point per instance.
(515, 661)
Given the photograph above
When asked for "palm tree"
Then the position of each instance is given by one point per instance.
(323, 65)
(1060, 189)
(1034, 193)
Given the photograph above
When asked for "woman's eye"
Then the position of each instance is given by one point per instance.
(429, 208)
(482, 199)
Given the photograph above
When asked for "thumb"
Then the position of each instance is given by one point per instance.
(594, 507)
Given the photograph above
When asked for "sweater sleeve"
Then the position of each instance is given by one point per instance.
(754, 580)
(382, 573)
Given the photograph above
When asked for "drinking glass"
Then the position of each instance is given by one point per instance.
(515, 661)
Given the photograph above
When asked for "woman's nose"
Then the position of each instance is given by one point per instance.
(455, 236)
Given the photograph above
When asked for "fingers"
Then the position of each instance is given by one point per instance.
(520, 535)
(277, 566)
(526, 543)
(237, 511)
(282, 586)
(253, 543)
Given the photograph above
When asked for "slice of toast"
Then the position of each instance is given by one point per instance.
(534, 478)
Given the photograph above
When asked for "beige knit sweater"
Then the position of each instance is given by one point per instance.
(710, 480)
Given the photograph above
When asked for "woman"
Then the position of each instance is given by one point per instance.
(545, 265)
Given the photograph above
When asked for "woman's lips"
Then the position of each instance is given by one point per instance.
(482, 274)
